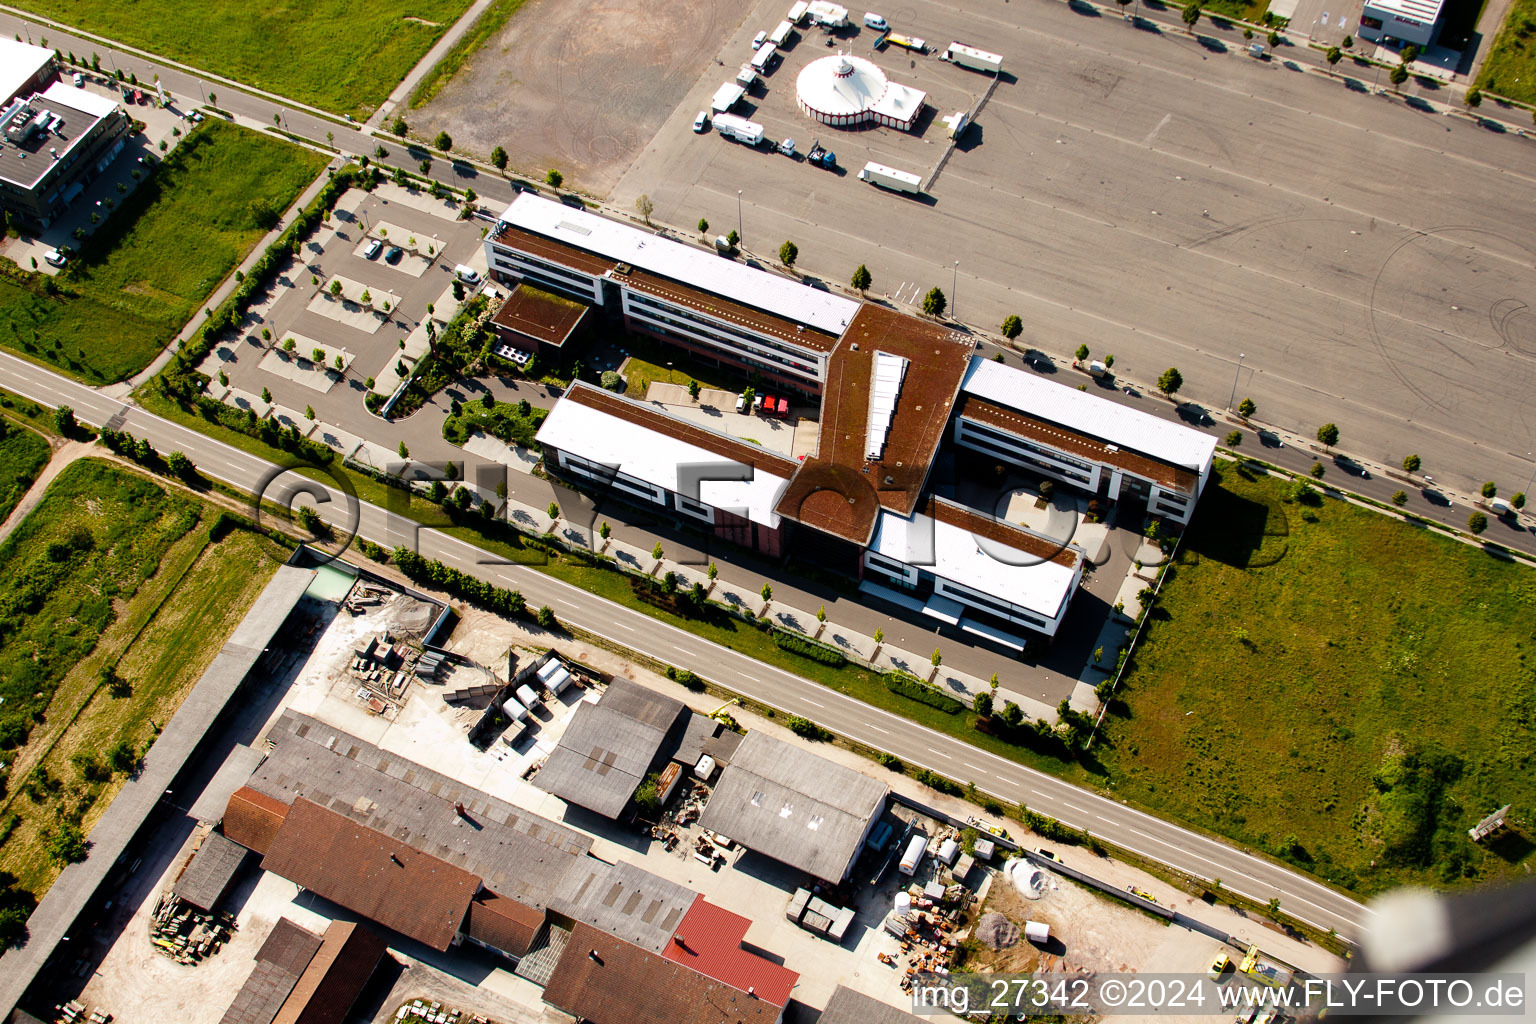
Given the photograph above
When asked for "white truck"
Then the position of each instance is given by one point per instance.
(739, 129)
(798, 11)
(970, 57)
(889, 177)
(763, 58)
(726, 97)
(828, 14)
(779, 36)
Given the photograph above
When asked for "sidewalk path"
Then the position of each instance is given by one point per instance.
(62, 456)
(402, 92)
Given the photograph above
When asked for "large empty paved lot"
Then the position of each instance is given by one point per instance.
(1138, 193)
(580, 85)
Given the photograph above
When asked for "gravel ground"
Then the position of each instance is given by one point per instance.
(581, 85)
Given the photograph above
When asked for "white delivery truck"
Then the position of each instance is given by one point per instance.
(891, 178)
(739, 129)
(726, 97)
(914, 855)
(779, 36)
(970, 57)
(828, 14)
(798, 11)
(763, 58)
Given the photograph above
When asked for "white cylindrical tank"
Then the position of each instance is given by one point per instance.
(903, 902)
(914, 855)
(1037, 932)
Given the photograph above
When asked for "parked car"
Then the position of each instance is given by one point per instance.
(392, 254)
(79, 80)
(1219, 966)
(1048, 854)
(195, 117)
(758, 40)
(875, 21)
(374, 248)
(54, 258)
(466, 274)
(701, 122)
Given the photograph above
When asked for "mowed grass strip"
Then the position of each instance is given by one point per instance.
(23, 454)
(1345, 691)
(1510, 69)
(339, 55)
(159, 256)
(489, 24)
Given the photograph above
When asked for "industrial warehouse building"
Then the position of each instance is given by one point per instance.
(891, 389)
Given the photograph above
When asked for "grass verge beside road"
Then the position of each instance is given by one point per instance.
(155, 261)
(116, 600)
(341, 56)
(23, 454)
(1345, 691)
(489, 24)
(1510, 69)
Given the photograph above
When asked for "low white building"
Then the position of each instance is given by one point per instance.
(1401, 21)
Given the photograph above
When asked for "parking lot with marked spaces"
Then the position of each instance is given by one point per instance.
(1148, 195)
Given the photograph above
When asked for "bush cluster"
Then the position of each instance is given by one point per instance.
(909, 686)
(794, 644)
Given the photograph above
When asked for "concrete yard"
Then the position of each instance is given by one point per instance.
(1169, 200)
(580, 86)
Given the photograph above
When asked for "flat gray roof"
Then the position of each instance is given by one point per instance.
(515, 853)
(791, 805)
(123, 817)
(849, 1007)
(237, 767)
(25, 161)
(623, 900)
(213, 867)
(608, 747)
(703, 735)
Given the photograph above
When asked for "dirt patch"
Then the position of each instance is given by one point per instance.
(423, 21)
(581, 85)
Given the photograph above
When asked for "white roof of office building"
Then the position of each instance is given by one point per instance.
(1088, 414)
(1426, 11)
(19, 62)
(1032, 580)
(91, 103)
(652, 454)
(680, 262)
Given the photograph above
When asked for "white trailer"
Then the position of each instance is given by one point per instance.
(763, 57)
(739, 129)
(1037, 932)
(798, 11)
(970, 57)
(726, 97)
(779, 36)
(891, 178)
(829, 14)
(914, 854)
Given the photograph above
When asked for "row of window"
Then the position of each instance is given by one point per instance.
(965, 595)
(740, 341)
(556, 276)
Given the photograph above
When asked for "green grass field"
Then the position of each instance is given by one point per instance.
(339, 55)
(109, 571)
(1510, 69)
(138, 281)
(491, 22)
(23, 454)
(1362, 691)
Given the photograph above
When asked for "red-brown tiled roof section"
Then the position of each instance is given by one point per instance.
(330, 985)
(503, 923)
(708, 939)
(372, 874)
(252, 818)
(644, 416)
(983, 525)
(729, 311)
(937, 359)
(605, 980)
(539, 315)
(1073, 443)
(553, 251)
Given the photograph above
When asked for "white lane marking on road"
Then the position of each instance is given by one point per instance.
(567, 603)
(1188, 853)
(1076, 808)
(753, 678)
(939, 752)
(878, 729)
(1102, 818)
(683, 649)
(1152, 135)
(969, 765)
(1011, 782)
(816, 702)
(622, 626)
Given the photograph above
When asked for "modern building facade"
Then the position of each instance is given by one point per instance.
(1401, 21)
(55, 143)
(24, 69)
(1099, 448)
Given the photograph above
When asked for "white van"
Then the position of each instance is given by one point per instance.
(1500, 507)
(875, 21)
(466, 274)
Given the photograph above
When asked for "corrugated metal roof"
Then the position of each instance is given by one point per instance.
(623, 900)
(794, 806)
(1088, 414)
(849, 1007)
(213, 867)
(727, 278)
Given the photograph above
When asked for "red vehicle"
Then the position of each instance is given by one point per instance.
(783, 410)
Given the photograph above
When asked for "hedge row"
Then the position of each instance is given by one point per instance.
(912, 688)
(794, 644)
(460, 584)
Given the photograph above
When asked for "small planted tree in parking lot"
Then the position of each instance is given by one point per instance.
(554, 178)
(645, 207)
(1412, 463)
(499, 158)
(1170, 380)
(862, 278)
(934, 303)
(1246, 408)
(1328, 434)
(788, 253)
(443, 143)
(1012, 326)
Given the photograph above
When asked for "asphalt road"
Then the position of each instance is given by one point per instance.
(1252, 876)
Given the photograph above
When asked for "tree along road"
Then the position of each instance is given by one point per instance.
(1243, 873)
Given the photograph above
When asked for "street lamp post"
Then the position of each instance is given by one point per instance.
(954, 290)
(1532, 481)
(740, 235)
(1233, 397)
